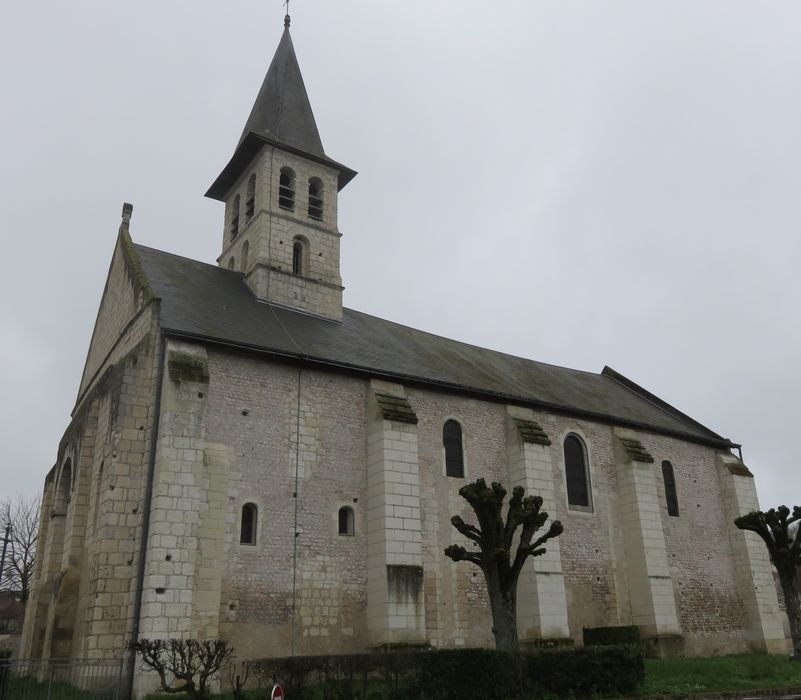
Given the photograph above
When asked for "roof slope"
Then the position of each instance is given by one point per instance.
(209, 302)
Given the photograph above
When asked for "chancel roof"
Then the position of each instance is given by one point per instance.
(212, 304)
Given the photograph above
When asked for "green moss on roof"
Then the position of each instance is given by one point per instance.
(396, 408)
(635, 451)
(739, 469)
(532, 432)
(184, 367)
(134, 264)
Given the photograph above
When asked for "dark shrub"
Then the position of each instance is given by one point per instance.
(605, 636)
(451, 674)
(586, 670)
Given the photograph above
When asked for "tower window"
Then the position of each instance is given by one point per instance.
(576, 474)
(247, 531)
(245, 253)
(316, 199)
(346, 521)
(250, 201)
(671, 496)
(298, 255)
(235, 218)
(231, 263)
(452, 441)
(286, 189)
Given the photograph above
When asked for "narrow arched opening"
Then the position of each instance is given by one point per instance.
(247, 530)
(454, 453)
(250, 199)
(347, 521)
(316, 199)
(286, 189)
(235, 217)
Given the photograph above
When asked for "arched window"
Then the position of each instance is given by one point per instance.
(245, 252)
(235, 218)
(286, 189)
(346, 521)
(452, 441)
(298, 255)
(577, 474)
(64, 489)
(671, 496)
(231, 263)
(250, 201)
(247, 531)
(316, 199)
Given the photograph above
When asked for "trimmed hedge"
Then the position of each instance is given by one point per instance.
(448, 674)
(605, 636)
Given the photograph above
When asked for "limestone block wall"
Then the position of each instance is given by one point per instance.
(272, 230)
(296, 442)
(653, 606)
(125, 299)
(753, 571)
(83, 590)
(183, 571)
(395, 607)
(542, 601)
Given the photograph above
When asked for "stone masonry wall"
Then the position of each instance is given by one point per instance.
(253, 412)
(271, 232)
(87, 559)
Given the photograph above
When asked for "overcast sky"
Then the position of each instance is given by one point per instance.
(581, 183)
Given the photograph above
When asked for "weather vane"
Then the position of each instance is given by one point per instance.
(286, 17)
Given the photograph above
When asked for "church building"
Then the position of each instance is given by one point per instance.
(248, 460)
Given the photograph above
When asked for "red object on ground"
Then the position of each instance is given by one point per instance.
(278, 693)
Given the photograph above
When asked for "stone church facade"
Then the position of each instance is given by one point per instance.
(248, 460)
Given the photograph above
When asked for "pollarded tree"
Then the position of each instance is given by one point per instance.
(778, 529)
(495, 540)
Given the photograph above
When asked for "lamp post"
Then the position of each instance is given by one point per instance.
(6, 540)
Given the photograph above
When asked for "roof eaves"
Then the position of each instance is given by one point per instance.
(713, 440)
(250, 147)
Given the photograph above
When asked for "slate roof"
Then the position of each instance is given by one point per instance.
(282, 110)
(281, 116)
(209, 303)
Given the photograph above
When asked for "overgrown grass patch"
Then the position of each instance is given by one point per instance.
(701, 675)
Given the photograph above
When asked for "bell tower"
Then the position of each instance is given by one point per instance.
(280, 193)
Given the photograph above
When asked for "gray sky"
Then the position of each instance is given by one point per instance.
(582, 183)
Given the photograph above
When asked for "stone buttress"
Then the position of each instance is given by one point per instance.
(753, 569)
(541, 598)
(653, 603)
(395, 605)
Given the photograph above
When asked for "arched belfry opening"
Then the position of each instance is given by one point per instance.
(280, 187)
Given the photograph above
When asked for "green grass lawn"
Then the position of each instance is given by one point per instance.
(683, 676)
(742, 672)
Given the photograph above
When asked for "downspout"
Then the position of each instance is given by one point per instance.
(295, 526)
(151, 471)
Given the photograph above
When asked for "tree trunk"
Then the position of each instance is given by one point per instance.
(504, 615)
(792, 604)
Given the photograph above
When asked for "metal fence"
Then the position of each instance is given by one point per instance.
(61, 679)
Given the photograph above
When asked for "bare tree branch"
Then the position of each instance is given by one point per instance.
(23, 516)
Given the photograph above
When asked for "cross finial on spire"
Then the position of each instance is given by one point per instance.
(286, 16)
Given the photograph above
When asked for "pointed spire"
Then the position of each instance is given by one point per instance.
(282, 111)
